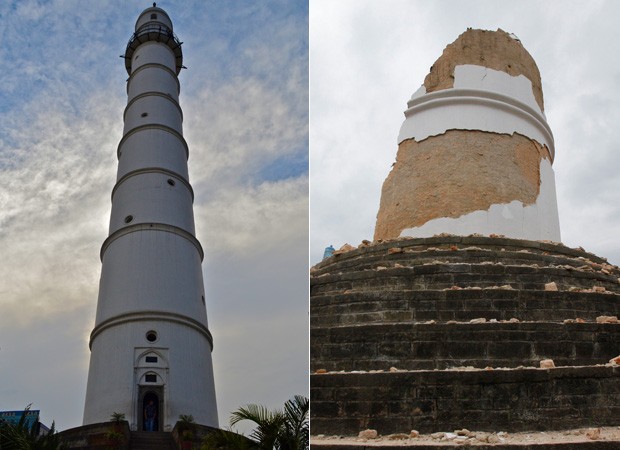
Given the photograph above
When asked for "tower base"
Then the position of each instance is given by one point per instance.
(444, 333)
(106, 435)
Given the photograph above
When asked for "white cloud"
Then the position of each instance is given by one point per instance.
(236, 128)
(245, 219)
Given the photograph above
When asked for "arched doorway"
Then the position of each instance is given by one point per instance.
(150, 412)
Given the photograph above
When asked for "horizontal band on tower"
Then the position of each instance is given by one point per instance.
(152, 94)
(492, 100)
(151, 227)
(152, 126)
(142, 316)
(160, 170)
(156, 33)
(154, 66)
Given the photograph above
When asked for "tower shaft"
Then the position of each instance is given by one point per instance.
(475, 151)
(151, 342)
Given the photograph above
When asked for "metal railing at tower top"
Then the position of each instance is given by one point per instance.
(154, 27)
(154, 32)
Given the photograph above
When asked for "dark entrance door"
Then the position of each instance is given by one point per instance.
(150, 407)
(150, 412)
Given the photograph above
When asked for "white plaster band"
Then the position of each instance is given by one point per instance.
(163, 316)
(435, 113)
(151, 126)
(152, 94)
(154, 66)
(170, 173)
(151, 227)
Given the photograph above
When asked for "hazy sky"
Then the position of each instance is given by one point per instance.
(367, 58)
(245, 103)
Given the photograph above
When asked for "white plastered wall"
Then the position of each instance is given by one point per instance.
(188, 387)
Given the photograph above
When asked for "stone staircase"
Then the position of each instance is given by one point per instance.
(157, 440)
(442, 333)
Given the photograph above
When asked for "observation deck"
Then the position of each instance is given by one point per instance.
(154, 32)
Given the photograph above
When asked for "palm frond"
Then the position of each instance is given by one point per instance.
(268, 423)
(19, 437)
(227, 440)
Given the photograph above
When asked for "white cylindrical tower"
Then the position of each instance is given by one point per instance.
(475, 152)
(151, 343)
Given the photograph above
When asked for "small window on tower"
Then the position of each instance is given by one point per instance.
(144, 114)
(128, 219)
(153, 16)
(151, 336)
(170, 181)
(150, 378)
(151, 359)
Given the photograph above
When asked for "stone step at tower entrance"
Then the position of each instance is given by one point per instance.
(144, 440)
(451, 317)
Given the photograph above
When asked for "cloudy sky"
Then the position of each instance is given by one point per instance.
(245, 102)
(367, 58)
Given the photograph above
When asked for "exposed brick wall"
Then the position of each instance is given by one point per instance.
(492, 49)
(456, 173)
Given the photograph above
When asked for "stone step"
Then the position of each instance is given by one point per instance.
(479, 258)
(368, 312)
(461, 305)
(156, 440)
(457, 247)
(467, 256)
(337, 444)
(445, 276)
(462, 266)
(485, 400)
(418, 346)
